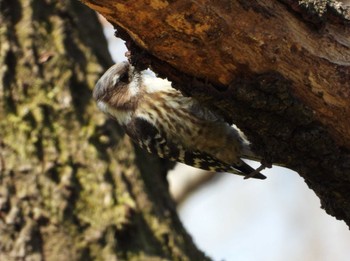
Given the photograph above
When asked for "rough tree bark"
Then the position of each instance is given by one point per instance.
(280, 70)
(72, 186)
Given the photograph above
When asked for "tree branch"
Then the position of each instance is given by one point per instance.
(278, 69)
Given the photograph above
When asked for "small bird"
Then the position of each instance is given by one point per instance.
(164, 122)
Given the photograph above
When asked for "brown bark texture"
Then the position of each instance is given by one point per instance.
(280, 70)
(72, 185)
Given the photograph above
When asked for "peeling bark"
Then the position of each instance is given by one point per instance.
(72, 186)
(280, 70)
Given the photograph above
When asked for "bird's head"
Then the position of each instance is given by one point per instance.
(118, 89)
(115, 79)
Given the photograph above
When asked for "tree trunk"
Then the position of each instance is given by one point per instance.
(280, 70)
(72, 186)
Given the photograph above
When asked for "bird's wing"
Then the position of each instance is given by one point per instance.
(148, 137)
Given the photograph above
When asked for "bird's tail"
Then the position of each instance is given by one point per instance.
(248, 172)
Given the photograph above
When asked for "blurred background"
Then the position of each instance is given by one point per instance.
(248, 220)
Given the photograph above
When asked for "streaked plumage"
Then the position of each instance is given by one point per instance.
(164, 122)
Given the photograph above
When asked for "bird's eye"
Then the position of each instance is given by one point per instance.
(124, 77)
